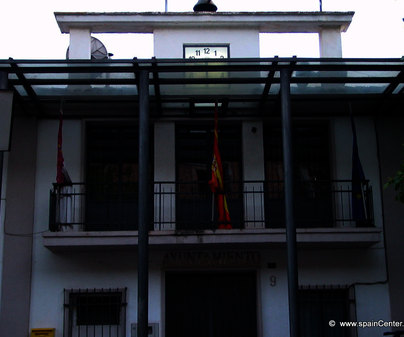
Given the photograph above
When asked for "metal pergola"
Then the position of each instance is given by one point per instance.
(157, 88)
(183, 87)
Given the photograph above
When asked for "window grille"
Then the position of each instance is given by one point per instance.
(320, 304)
(94, 313)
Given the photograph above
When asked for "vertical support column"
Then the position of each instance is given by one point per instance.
(3, 86)
(3, 80)
(330, 42)
(144, 209)
(290, 224)
(80, 44)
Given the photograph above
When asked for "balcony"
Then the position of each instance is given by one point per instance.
(185, 213)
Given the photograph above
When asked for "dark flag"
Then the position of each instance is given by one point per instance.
(358, 179)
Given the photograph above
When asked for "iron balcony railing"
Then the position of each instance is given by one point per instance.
(192, 206)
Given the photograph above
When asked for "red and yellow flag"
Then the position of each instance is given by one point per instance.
(216, 182)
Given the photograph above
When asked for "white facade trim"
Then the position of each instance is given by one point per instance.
(265, 22)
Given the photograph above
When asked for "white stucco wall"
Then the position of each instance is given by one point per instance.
(253, 173)
(273, 292)
(168, 43)
(330, 42)
(324, 268)
(80, 43)
(374, 306)
(164, 173)
(52, 272)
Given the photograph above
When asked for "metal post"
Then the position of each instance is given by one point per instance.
(3, 80)
(1, 174)
(290, 224)
(144, 201)
(3, 86)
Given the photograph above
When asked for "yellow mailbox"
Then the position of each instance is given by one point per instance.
(48, 332)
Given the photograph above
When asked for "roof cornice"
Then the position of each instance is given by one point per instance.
(147, 22)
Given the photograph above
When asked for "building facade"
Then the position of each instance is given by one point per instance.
(71, 249)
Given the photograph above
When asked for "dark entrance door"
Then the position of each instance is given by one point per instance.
(211, 304)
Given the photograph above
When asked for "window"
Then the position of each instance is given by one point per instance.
(96, 312)
(194, 153)
(318, 306)
(111, 176)
(311, 170)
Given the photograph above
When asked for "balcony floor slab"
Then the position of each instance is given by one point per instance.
(307, 237)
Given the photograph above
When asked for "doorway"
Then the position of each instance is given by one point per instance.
(211, 304)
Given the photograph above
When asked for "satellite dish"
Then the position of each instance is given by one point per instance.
(98, 50)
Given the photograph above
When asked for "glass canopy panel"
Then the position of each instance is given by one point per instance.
(366, 88)
(175, 105)
(243, 105)
(344, 74)
(51, 76)
(78, 63)
(85, 90)
(348, 61)
(195, 90)
(337, 88)
(275, 88)
(180, 77)
(80, 76)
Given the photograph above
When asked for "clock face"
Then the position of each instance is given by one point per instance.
(206, 51)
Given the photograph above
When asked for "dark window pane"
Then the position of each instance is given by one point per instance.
(111, 176)
(194, 153)
(311, 170)
(98, 309)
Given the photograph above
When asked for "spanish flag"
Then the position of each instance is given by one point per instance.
(216, 182)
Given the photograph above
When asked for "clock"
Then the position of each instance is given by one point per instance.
(206, 51)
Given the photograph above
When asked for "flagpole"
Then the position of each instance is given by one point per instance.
(213, 193)
(213, 207)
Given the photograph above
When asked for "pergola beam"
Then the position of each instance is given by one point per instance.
(27, 87)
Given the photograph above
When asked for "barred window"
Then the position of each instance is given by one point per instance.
(318, 306)
(94, 312)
